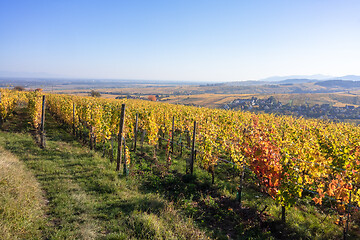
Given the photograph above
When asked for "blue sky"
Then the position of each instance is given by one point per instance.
(199, 40)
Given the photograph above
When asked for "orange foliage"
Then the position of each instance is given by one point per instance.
(152, 98)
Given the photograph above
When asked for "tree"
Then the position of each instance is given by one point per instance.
(19, 88)
(94, 93)
(152, 98)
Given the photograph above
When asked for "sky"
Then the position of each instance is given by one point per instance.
(182, 40)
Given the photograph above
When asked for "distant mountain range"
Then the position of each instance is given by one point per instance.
(347, 77)
(312, 77)
(346, 84)
(309, 78)
(285, 84)
(295, 79)
(289, 85)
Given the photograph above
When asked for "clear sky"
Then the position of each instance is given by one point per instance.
(200, 40)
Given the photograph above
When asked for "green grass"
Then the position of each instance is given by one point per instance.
(88, 199)
(22, 206)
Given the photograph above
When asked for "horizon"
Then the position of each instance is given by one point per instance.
(272, 79)
(202, 41)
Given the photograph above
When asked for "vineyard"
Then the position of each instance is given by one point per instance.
(289, 157)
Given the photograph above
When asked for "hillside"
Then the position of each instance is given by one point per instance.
(22, 204)
(86, 197)
(252, 183)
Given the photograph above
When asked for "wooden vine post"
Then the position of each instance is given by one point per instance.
(1, 119)
(91, 134)
(120, 137)
(163, 133)
(73, 124)
(238, 197)
(135, 131)
(160, 136)
(42, 124)
(172, 134)
(283, 214)
(126, 167)
(192, 158)
(181, 145)
(104, 148)
(112, 149)
(346, 227)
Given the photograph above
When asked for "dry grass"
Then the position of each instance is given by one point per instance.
(166, 225)
(219, 100)
(21, 200)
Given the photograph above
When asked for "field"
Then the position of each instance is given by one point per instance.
(203, 94)
(218, 100)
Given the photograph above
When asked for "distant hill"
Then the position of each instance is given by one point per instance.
(245, 83)
(286, 81)
(297, 81)
(308, 77)
(316, 77)
(348, 77)
(339, 84)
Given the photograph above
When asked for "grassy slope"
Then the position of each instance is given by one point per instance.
(21, 201)
(88, 199)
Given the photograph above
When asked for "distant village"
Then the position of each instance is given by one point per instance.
(271, 105)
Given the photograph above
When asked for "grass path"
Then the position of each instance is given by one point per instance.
(22, 206)
(86, 197)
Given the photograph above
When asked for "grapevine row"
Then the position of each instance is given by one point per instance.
(287, 154)
(270, 145)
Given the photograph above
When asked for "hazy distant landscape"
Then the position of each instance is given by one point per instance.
(333, 96)
(266, 86)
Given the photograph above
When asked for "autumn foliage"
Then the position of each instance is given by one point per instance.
(152, 98)
(287, 155)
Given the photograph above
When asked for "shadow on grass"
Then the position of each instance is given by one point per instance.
(204, 202)
(213, 210)
(119, 206)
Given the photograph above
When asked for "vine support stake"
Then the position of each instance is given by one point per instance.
(193, 150)
(135, 131)
(1, 119)
(126, 169)
(120, 137)
(91, 134)
(73, 124)
(346, 227)
(42, 124)
(172, 134)
(112, 149)
(181, 149)
(238, 197)
(104, 148)
(163, 133)
(283, 214)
